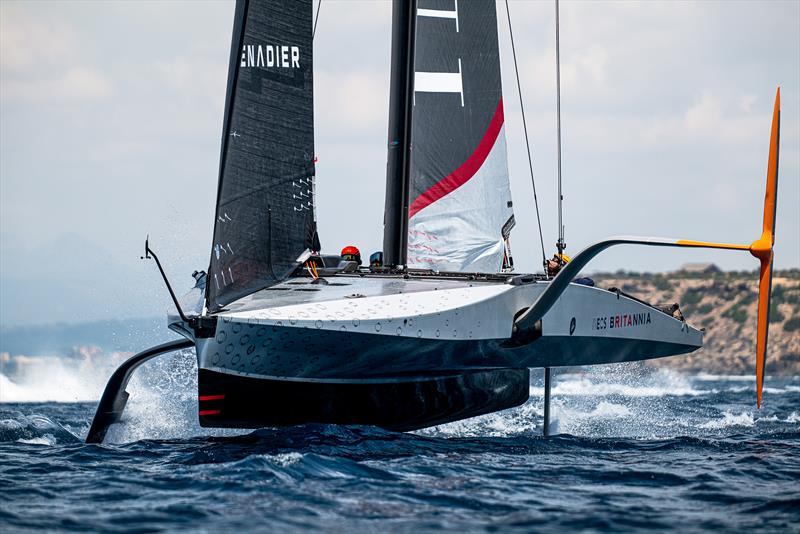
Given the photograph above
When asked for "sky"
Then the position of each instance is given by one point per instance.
(111, 117)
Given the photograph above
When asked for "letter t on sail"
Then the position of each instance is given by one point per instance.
(439, 82)
(441, 13)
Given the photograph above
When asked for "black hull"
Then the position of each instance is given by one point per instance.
(234, 401)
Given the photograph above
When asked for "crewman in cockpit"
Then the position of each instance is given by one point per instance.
(351, 253)
(556, 263)
(376, 261)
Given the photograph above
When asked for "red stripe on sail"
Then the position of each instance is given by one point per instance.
(467, 170)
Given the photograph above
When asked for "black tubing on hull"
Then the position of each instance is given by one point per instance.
(114, 398)
(235, 401)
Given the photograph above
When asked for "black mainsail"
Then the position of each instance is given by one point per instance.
(265, 218)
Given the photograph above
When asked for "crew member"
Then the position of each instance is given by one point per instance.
(376, 261)
(351, 253)
(556, 263)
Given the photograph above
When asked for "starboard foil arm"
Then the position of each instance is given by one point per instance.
(114, 398)
(762, 249)
(571, 270)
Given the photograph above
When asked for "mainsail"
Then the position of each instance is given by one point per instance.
(460, 210)
(265, 201)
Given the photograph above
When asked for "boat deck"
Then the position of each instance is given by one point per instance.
(303, 290)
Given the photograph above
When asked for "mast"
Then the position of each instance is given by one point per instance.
(395, 224)
(561, 245)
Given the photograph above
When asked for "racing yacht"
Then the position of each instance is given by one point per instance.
(443, 329)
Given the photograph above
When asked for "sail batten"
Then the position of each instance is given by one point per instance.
(265, 202)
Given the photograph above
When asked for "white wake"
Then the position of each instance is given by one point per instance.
(625, 400)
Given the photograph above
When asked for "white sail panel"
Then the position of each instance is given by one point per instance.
(461, 231)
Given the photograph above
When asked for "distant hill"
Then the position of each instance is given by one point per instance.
(725, 304)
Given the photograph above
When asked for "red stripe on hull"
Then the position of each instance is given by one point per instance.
(467, 170)
(209, 412)
(211, 397)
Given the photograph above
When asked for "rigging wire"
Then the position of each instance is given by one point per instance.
(527, 143)
(560, 245)
(314, 176)
(316, 18)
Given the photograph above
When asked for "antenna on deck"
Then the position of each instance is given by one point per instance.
(148, 253)
(561, 244)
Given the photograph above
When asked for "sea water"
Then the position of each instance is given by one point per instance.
(635, 449)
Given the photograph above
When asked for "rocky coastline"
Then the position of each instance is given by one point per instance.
(725, 305)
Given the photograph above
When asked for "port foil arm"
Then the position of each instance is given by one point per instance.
(114, 398)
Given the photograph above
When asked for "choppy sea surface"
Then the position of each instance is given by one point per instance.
(636, 450)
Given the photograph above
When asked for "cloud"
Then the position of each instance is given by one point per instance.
(29, 42)
(195, 77)
(77, 83)
(713, 119)
(348, 103)
(40, 60)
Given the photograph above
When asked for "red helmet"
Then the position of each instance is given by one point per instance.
(351, 253)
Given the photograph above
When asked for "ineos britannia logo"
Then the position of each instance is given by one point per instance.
(270, 56)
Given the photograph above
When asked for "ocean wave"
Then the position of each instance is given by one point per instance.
(283, 459)
(57, 379)
(34, 429)
(740, 389)
(626, 381)
(46, 440)
(624, 400)
(163, 392)
(767, 390)
(525, 419)
(722, 378)
(609, 409)
(778, 391)
(729, 419)
(340, 478)
(619, 401)
(589, 388)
